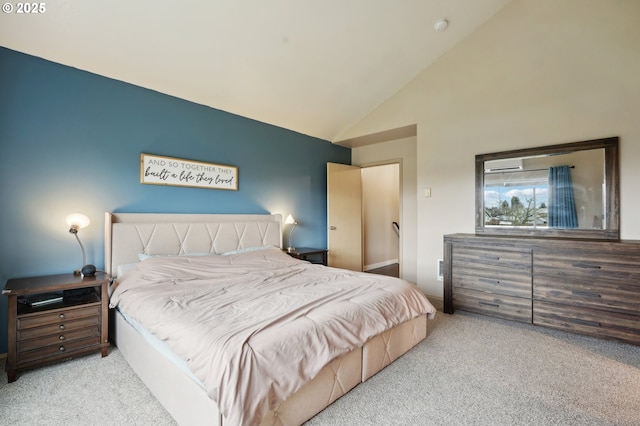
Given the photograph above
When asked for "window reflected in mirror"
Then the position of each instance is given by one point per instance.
(546, 191)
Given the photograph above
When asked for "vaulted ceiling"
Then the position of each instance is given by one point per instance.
(315, 67)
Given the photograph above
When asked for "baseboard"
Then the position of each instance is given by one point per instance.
(380, 264)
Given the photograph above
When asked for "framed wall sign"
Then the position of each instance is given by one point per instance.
(159, 170)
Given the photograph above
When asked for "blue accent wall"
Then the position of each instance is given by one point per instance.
(70, 141)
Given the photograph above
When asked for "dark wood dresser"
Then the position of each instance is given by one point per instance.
(585, 286)
(53, 318)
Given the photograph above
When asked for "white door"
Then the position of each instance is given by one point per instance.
(344, 216)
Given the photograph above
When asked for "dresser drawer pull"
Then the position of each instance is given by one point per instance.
(587, 266)
(585, 293)
(489, 257)
(61, 326)
(585, 322)
(495, 305)
(489, 281)
(61, 316)
(61, 348)
(61, 337)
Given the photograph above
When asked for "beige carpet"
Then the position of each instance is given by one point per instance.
(471, 370)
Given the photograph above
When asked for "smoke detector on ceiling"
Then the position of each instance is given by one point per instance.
(441, 25)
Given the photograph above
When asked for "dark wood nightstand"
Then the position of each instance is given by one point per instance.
(54, 318)
(313, 255)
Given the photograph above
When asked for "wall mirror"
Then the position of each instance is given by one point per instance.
(567, 190)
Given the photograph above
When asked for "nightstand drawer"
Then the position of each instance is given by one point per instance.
(66, 348)
(59, 327)
(57, 316)
(58, 338)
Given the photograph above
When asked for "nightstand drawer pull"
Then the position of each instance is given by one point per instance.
(61, 316)
(61, 348)
(61, 326)
(495, 305)
(61, 337)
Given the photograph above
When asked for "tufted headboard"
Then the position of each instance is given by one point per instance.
(129, 234)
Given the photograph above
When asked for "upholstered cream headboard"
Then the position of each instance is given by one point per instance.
(129, 234)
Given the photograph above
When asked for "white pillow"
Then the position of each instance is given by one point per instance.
(246, 250)
(143, 256)
(121, 269)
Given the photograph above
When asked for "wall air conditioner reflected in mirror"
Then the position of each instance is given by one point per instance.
(509, 164)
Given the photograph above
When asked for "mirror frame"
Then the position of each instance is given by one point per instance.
(611, 206)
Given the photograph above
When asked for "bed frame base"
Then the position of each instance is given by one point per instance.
(188, 404)
(183, 398)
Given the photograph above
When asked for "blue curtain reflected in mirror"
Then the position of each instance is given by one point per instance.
(562, 205)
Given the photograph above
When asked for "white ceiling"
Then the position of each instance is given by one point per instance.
(315, 67)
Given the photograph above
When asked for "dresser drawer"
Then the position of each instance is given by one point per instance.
(589, 264)
(507, 307)
(593, 322)
(57, 316)
(58, 338)
(498, 282)
(597, 293)
(492, 260)
(59, 349)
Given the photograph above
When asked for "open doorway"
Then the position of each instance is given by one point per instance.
(381, 219)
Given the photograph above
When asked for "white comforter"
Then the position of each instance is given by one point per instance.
(254, 327)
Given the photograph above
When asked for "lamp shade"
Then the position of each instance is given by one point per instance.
(289, 220)
(78, 220)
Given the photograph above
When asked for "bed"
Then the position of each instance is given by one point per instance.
(287, 355)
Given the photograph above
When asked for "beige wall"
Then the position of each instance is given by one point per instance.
(540, 72)
(402, 151)
(381, 207)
